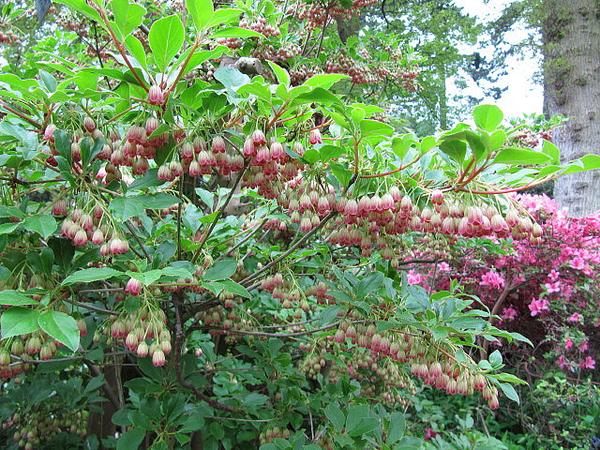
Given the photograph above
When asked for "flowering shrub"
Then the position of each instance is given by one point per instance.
(221, 256)
(553, 280)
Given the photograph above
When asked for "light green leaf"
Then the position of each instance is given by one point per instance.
(43, 225)
(397, 427)
(17, 321)
(488, 117)
(128, 16)
(201, 11)
(370, 127)
(510, 392)
(335, 416)
(325, 81)
(552, 151)
(61, 327)
(495, 358)
(280, 73)
(520, 156)
(90, 275)
(9, 227)
(166, 38)
(14, 298)
(236, 32)
(137, 50)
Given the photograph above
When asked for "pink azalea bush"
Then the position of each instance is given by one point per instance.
(553, 283)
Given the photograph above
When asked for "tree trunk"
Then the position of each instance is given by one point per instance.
(571, 39)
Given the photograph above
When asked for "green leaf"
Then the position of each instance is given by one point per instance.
(90, 275)
(17, 321)
(455, 149)
(236, 32)
(476, 144)
(7, 228)
(370, 127)
(495, 358)
(61, 327)
(552, 151)
(201, 11)
(221, 270)
(510, 392)
(43, 225)
(82, 7)
(488, 117)
(131, 439)
(126, 207)
(283, 77)
(397, 427)
(231, 78)
(509, 378)
(224, 16)
(236, 288)
(520, 156)
(166, 38)
(427, 143)
(335, 416)
(14, 298)
(325, 81)
(136, 48)
(497, 139)
(128, 16)
(402, 144)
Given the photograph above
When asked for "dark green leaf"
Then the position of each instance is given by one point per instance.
(61, 327)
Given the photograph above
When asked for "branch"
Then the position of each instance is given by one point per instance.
(119, 46)
(179, 336)
(219, 214)
(246, 281)
(278, 335)
(112, 397)
(385, 174)
(20, 114)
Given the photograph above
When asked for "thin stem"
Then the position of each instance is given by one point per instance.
(20, 114)
(208, 232)
(179, 336)
(119, 46)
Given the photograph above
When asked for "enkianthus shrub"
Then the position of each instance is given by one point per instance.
(231, 250)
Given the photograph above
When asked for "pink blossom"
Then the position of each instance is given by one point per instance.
(414, 277)
(554, 275)
(492, 279)
(584, 346)
(568, 344)
(588, 363)
(578, 263)
(539, 306)
(575, 317)
(553, 287)
(562, 362)
(509, 313)
(444, 267)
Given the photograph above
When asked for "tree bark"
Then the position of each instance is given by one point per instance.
(571, 40)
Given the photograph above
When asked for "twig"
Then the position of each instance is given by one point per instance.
(20, 114)
(179, 336)
(139, 241)
(219, 214)
(112, 397)
(294, 246)
(279, 335)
